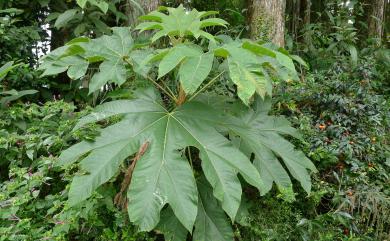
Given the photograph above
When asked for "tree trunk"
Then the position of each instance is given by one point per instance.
(376, 18)
(266, 20)
(298, 12)
(318, 6)
(293, 17)
(306, 10)
(387, 24)
(133, 10)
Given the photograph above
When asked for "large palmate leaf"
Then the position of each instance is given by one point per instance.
(171, 227)
(179, 23)
(115, 52)
(162, 175)
(211, 222)
(261, 135)
(196, 149)
(56, 62)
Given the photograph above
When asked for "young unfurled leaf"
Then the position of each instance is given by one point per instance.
(179, 23)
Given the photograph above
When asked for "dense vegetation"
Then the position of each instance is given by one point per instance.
(122, 120)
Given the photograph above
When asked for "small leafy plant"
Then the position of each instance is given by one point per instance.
(191, 146)
(11, 95)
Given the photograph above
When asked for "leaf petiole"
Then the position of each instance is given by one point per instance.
(206, 86)
(155, 83)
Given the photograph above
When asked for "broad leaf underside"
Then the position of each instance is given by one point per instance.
(164, 176)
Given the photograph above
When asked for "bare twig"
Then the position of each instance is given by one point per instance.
(120, 200)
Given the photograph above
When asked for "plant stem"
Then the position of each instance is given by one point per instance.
(162, 88)
(182, 96)
(206, 86)
(168, 89)
(155, 83)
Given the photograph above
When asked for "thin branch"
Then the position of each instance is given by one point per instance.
(168, 89)
(206, 85)
(162, 88)
(120, 199)
(155, 83)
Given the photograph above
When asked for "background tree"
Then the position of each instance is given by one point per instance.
(376, 19)
(371, 19)
(135, 9)
(266, 20)
(297, 17)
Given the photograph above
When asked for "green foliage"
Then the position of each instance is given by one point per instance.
(334, 37)
(153, 124)
(11, 95)
(186, 136)
(261, 135)
(6, 68)
(250, 64)
(33, 202)
(17, 35)
(346, 126)
(166, 128)
(85, 17)
(112, 51)
(101, 4)
(180, 23)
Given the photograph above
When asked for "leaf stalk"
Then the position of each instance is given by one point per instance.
(206, 86)
(155, 83)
